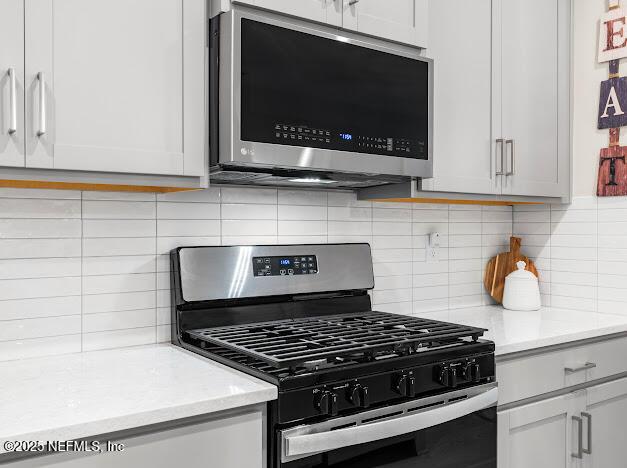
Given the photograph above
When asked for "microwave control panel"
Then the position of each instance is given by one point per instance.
(299, 135)
(289, 265)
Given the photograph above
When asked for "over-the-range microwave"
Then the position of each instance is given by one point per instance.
(297, 103)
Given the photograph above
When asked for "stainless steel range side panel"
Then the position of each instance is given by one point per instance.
(212, 273)
(234, 151)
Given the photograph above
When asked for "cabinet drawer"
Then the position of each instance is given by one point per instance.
(529, 376)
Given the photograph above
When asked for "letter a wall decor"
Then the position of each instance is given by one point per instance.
(612, 180)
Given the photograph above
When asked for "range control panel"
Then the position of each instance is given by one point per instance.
(299, 135)
(285, 265)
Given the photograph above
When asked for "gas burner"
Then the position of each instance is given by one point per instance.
(359, 337)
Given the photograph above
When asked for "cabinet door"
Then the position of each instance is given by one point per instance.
(535, 96)
(397, 20)
(540, 435)
(607, 407)
(323, 11)
(12, 83)
(465, 123)
(123, 86)
(235, 441)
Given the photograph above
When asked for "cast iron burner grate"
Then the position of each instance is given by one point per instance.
(292, 343)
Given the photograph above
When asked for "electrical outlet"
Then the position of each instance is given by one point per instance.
(433, 254)
(433, 248)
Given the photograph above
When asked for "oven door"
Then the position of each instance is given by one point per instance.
(453, 430)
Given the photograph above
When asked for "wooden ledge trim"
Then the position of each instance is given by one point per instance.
(39, 184)
(445, 201)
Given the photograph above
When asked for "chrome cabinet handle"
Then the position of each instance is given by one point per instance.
(586, 366)
(12, 102)
(579, 453)
(588, 451)
(42, 104)
(513, 157)
(501, 142)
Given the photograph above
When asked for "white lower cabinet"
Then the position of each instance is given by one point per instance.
(583, 428)
(234, 441)
(606, 406)
(538, 435)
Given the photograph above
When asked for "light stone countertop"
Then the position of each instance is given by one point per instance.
(514, 332)
(81, 395)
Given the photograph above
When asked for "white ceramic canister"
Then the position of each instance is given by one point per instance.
(522, 291)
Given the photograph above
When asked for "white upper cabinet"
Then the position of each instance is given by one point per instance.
(397, 20)
(535, 96)
(323, 11)
(12, 83)
(501, 97)
(465, 119)
(116, 86)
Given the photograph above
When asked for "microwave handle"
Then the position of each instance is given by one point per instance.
(331, 440)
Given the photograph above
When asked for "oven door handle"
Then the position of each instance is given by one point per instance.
(325, 441)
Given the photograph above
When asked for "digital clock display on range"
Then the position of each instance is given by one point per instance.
(285, 266)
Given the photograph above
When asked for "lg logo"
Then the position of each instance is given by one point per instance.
(247, 152)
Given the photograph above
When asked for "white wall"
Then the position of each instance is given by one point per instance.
(587, 76)
(82, 271)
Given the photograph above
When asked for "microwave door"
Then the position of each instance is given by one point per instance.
(305, 97)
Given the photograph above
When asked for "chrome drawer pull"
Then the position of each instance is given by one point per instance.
(588, 451)
(579, 453)
(586, 366)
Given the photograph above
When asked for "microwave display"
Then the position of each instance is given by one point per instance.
(300, 89)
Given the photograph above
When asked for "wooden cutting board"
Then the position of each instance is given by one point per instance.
(502, 265)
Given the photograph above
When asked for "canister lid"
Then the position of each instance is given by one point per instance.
(521, 273)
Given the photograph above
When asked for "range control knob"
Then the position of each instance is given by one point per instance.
(326, 402)
(405, 385)
(448, 376)
(357, 394)
(472, 372)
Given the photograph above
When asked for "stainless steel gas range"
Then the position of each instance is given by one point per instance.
(357, 387)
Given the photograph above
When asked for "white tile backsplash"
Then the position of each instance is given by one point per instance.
(582, 252)
(84, 271)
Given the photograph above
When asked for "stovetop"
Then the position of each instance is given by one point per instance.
(308, 351)
(322, 341)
